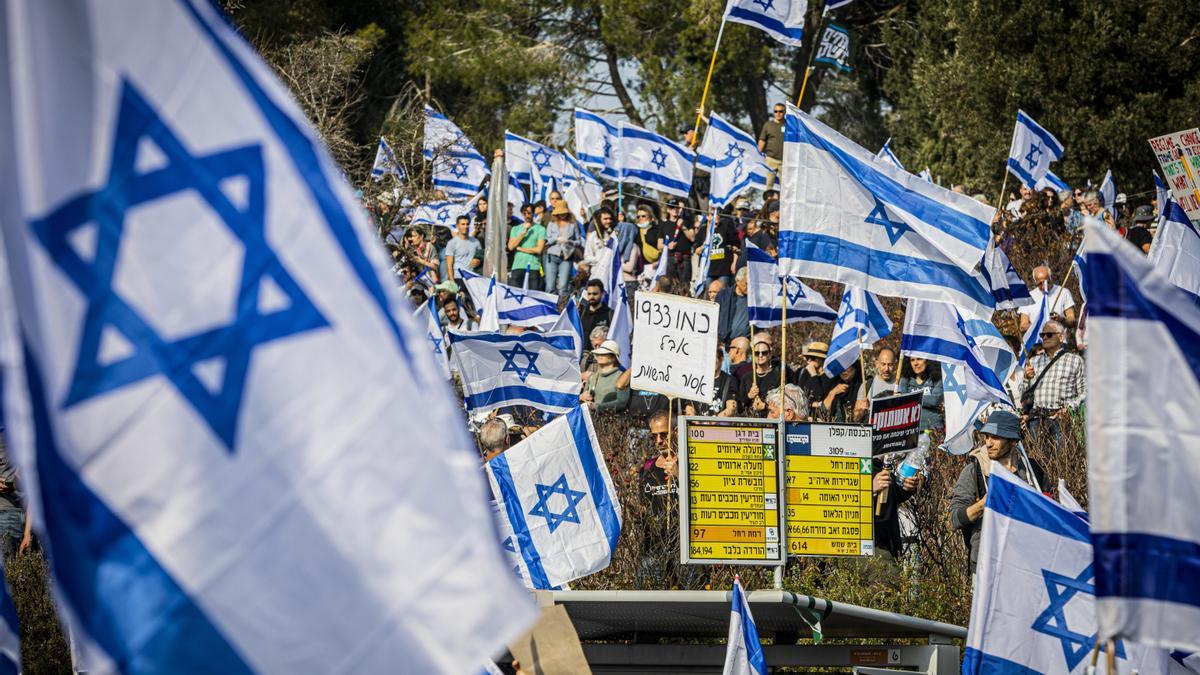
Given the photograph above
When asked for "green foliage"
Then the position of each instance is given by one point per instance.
(43, 647)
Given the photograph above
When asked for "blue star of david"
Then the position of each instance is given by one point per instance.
(1053, 622)
(879, 216)
(541, 158)
(962, 327)
(459, 170)
(510, 361)
(737, 170)
(542, 508)
(108, 207)
(844, 310)
(794, 290)
(953, 386)
(735, 151)
(607, 148)
(511, 294)
(658, 158)
(765, 4)
(443, 215)
(436, 341)
(1035, 153)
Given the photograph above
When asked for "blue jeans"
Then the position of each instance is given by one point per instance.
(558, 274)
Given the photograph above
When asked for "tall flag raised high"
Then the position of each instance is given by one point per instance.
(1032, 150)
(559, 500)
(204, 403)
(655, 161)
(458, 168)
(885, 153)
(743, 648)
(781, 19)
(733, 160)
(765, 293)
(385, 162)
(1033, 610)
(850, 218)
(938, 331)
(1175, 250)
(1143, 456)
(528, 159)
(597, 143)
(861, 322)
(534, 369)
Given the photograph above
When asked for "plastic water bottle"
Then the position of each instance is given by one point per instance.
(915, 461)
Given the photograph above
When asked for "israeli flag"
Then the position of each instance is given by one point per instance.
(651, 275)
(962, 412)
(1142, 455)
(733, 161)
(1068, 500)
(1079, 266)
(516, 306)
(705, 260)
(1108, 190)
(211, 348)
(534, 369)
(885, 154)
(385, 163)
(569, 321)
(435, 336)
(937, 331)
(441, 214)
(781, 19)
(597, 143)
(525, 158)
(559, 499)
(861, 322)
(1051, 181)
(927, 175)
(849, 218)
(10, 630)
(1161, 195)
(654, 161)
(743, 649)
(1032, 336)
(1175, 251)
(1032, 150)
(1001, 277)
(1036, 589)
(617, 298)
(766, 293)
(516, 197)
(458, 168)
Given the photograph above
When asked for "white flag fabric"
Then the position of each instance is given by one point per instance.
(861, 322)
(885, 154)
(559, 499)
(205, 412)
(458, 168)
(1001, 277)
(1108, 190)
(608, 271)
(765, 291)
(781, 19)
(1175, 250)
(1051, 181)
(937, 331)
(850, 218)
(385, 162)
(705, 259)
(963, 410)
(743, 649)
(654, 161)
(1143, 456)
(434, 335)
(1161, 195)
(596, 143)
(441, 214)
(569, 321)
(534, 369)
(516, 306)
(525, 159)
(1033, 609)
(1033, 334)
(582, 191)
(1032, 150)
(733, 160)
(1068, 500)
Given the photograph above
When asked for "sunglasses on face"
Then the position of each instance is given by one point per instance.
(1046, 335)
(762, 352)
(659, 434)
(779, 112)
(643, 215)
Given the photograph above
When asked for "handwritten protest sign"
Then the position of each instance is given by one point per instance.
(1179, 156)
(674, 345)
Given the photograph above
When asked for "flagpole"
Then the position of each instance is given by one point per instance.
(812, 54)
(707, 81)
(783, 350)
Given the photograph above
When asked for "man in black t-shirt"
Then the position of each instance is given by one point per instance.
(724, 253)
(681, 229)
(1139, 235)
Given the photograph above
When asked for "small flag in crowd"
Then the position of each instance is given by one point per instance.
(385, 162)
(583, 192)
(938, 331)
(655, 161)
(534, 369)
(434, 335)
(743, 649)
(1175, 250)
(559, 500)
(1033, 610)
(597, 143)
(885, 153)
(962, 410)
(1144, 528)
(861, 322)
(226, 347)
(1033, 335)
(1161, 195)
(781, 19)
(849, 218)
(1051, 181)
(608, 271)
(516, 197)
(516, 306)
(458, 168)
(1032, 150)
(1008, 288)
(569, 321)
(651, 275)
(834, 49)
(525, 158)
(733, 160)
(1068, 500)
(441, 214)
(704, 263)
(1108, 190)
(768, 290)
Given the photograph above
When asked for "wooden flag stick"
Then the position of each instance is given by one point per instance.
(712, 64)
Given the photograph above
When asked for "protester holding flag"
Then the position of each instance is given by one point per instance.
(1054, 385)
(1060, 301)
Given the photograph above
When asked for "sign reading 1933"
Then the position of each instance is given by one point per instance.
(730, 491)
(674, 345)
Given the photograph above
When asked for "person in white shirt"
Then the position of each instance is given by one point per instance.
(1062, 303)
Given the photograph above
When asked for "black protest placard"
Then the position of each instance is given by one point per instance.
(896, 421)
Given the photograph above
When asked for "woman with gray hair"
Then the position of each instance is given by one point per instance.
(794, 403)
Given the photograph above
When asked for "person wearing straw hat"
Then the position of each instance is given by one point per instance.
(607, 388)
(562, 241)
(811, 378)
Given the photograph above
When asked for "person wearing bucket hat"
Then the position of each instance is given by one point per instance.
(1000, 443)
(812, 379)
(562, 241)
(607, 387)
(1139, 235)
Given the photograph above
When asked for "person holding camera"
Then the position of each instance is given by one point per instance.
(1053, 386)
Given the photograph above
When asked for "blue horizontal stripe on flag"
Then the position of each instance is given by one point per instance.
(598, 489)
(1037, 130)
(975, 661)
(755, 254)
(516, 518)
(1147, 566)
(517, 394)
(630, 132)
(775, 314)
(594, 160)
(934, 347)
(565, 342)
(454, 184)
(957, 224)
(526, 313)
(767, 23)
(721, 125)
(1026, 178)
(655, 179)
(1034, 508)
(750, 179)
(883, 265)
(593, 117)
